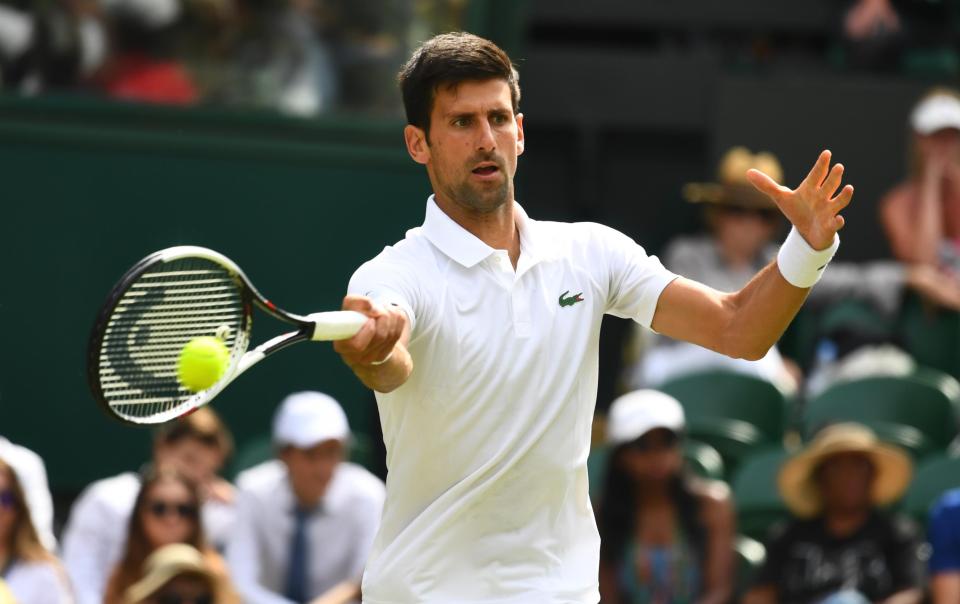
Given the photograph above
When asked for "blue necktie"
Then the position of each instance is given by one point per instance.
(297, 570)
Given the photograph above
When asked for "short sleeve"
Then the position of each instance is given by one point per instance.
(943, 533)
(388, 279)
(635, 280)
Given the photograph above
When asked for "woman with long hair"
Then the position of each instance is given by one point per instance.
(166, 511)
(32, 574)
(666, 537)
(921, 216)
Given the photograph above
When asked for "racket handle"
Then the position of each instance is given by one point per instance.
(336, 324)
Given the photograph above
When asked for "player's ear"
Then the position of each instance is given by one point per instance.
(521, 141)
(417, 146)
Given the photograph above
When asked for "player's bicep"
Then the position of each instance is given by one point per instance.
(692, 312)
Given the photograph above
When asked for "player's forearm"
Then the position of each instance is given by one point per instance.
(387, 376)
(760, 313)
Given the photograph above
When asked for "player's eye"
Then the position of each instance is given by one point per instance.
(461, 122)
(499, 119)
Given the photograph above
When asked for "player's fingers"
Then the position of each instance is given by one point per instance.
(765, 184)
(833, 180)
(843, 198)
(362, 304)
(359, 342)
(819, 170)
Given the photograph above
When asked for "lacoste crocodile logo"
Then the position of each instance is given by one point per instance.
(570, 300)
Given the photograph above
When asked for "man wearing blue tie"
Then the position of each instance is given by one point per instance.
(306, 520)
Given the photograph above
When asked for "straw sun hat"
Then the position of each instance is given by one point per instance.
(166, 563)
(797, 482)
(732, 187)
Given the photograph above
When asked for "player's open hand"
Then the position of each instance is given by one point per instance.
(814, 206)
(375, 341)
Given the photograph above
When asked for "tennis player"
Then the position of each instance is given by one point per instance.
(482, 345)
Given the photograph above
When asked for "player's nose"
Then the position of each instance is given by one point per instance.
(485, 139)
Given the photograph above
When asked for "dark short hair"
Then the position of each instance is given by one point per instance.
(447, 60)
(202, 425)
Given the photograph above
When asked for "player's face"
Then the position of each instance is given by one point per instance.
(845, 481)
(654, 457)
(310, 470)
(473, 144)
(169, 513)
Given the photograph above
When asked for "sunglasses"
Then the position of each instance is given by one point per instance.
(8, 499)
(161, 509)
(667, 440)
(175, 598)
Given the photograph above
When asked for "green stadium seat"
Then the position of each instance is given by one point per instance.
(917, 412)
(758, 502)
(931, 478)
(732, 412)
(750, 557)
(701, 459)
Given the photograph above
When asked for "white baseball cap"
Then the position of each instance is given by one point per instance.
(636, 413)
(305, 419)
(936, 112)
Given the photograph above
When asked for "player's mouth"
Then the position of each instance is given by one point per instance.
(486, 171)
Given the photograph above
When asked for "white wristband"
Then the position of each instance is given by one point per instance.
(800, 264)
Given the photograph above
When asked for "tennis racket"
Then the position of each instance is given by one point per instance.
(164, 301)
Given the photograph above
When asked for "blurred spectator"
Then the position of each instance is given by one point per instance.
(943, 533)
(665, 536)
(95, 535)
(33, 575)
(276, 59)
(305, 521)
(33, 477)
(177, 573)
(142, 66)
(840, 544)
(743, 226)
(922, 215)
(167, 510)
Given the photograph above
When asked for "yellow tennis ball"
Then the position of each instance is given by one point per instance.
(202, 362)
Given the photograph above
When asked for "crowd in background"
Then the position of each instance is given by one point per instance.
(300, 57)
(298, 527)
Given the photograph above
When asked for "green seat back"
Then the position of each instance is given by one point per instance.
(917, 412)
(732, 412)
(930, 480)
(758, 501)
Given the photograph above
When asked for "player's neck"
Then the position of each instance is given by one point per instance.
(498, 228)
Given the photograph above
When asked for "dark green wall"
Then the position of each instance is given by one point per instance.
(87, 190)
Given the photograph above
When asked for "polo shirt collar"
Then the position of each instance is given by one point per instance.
(468, 250)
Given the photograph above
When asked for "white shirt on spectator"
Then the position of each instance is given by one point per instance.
(487, 441)
(95, 536)
(38, 583)
(32, 475)
(339, 534)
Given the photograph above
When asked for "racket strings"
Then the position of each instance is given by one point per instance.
(159, 313)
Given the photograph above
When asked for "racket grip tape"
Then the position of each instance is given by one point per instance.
(336, 324)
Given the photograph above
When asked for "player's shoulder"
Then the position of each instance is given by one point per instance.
(580, 237)
(262, 479)
(412, 251)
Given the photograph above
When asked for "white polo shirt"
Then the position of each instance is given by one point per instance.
(487, 441)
